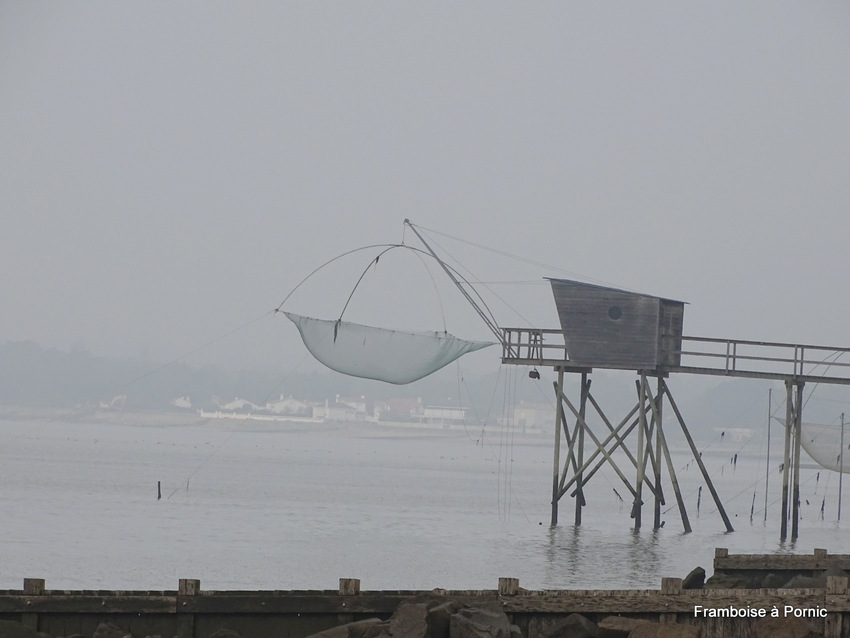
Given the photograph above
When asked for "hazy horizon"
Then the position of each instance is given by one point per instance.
(171, 171)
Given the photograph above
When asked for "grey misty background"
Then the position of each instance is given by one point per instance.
(169, 172)
(74, 385)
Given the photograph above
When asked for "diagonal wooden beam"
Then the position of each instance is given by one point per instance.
(698, 459)
(620, 442)
(686, 523)
(600, 448)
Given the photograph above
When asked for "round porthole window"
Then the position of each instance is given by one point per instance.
(614, 312)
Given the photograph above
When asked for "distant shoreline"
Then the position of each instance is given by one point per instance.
(251, 421)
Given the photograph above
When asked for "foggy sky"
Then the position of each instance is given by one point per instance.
(169, 171)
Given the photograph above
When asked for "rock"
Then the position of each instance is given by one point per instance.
(574, 626)
(694, 580)
(439, 618)
(655, 630)
(834, 570)
(378, 630)
(618, 626)
(108, 630)
(12, 629)
(410, 620)
(360, 628)
(475, 622)
(773, 581)
(730, 581)
(805, 582)
(357, 629)
(783, 628)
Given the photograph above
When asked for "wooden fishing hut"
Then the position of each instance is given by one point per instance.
(609, 328)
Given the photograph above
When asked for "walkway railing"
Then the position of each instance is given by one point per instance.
(699, 355)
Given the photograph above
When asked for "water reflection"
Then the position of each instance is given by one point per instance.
(578, 557)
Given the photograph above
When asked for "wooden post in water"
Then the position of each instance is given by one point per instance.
(656, 406)
(559, 414)
(579, 435)
(798, 432)
(786, 459)
(841, 466)
(698, 459)
(656, 415)
(638, 503)
(767, 462)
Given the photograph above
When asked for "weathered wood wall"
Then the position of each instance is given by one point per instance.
(610, 328)
(808, 564)
(190, 612)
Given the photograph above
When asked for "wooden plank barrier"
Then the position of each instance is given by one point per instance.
(820, 559)
(190, 612)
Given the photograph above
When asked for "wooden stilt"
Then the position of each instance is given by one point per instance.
(588, 474)
(786, 459)
(650, 457)
(841, 467)
(798, 431)
(698, 459)
(767, 460)
(638, 502)
(600, 448)
(572, 469)
(659, 496)
(620, 441)
(650, 453)
(559, 411)
(683, 513)
(580, 427)
(570, 460)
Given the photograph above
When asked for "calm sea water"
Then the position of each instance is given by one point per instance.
(255, 506)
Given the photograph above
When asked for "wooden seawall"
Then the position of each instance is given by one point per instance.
(190, 612)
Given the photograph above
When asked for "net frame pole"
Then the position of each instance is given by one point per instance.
(487, 320)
